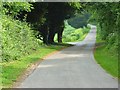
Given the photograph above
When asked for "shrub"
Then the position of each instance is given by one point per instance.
(71, 34)
(17, 39)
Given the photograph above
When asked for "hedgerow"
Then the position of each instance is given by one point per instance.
(18, 38)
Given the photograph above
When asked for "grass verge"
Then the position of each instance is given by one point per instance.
(107, 58)
(12, 70)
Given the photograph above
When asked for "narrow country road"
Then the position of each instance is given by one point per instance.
(73, 67)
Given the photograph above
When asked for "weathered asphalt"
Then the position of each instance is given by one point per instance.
(73, 67)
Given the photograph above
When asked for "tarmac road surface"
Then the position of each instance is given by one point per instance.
(73, 67)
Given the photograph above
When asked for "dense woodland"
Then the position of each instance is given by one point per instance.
(25, 25)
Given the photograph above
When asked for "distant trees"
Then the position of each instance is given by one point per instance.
(80, 20)
(72, 34)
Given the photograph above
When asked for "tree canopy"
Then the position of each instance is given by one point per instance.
(107, 17)
(47, 19)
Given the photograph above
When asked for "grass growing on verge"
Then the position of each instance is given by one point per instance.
(107, 58)
(12, 70)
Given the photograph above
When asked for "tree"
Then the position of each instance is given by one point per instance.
(57, 13)
(48, 18)
(16, 8)
(80, 20)
(106, 14)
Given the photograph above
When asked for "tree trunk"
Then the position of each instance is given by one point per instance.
(60, 36)
(44, 33)
(51, 37)
(60, 31)
(45, 39)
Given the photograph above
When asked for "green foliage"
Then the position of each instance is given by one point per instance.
(17, 37)
(79, 20)
(107, 60)
(71, 34)
(17, 40)
(75, 5)
(15, 8)
(106, 14)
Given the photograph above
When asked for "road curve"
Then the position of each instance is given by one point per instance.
(73, 67)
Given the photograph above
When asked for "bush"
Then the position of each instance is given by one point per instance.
(112, 42)
(71, 34)
(17, 39)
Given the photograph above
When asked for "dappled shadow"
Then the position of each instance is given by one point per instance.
(86, 46)
(62, 44)
(56, 46)
(99, 44)
(64, 61)
(79, 49)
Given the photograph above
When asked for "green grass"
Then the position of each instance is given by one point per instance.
(12, 70)
(107, 58)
